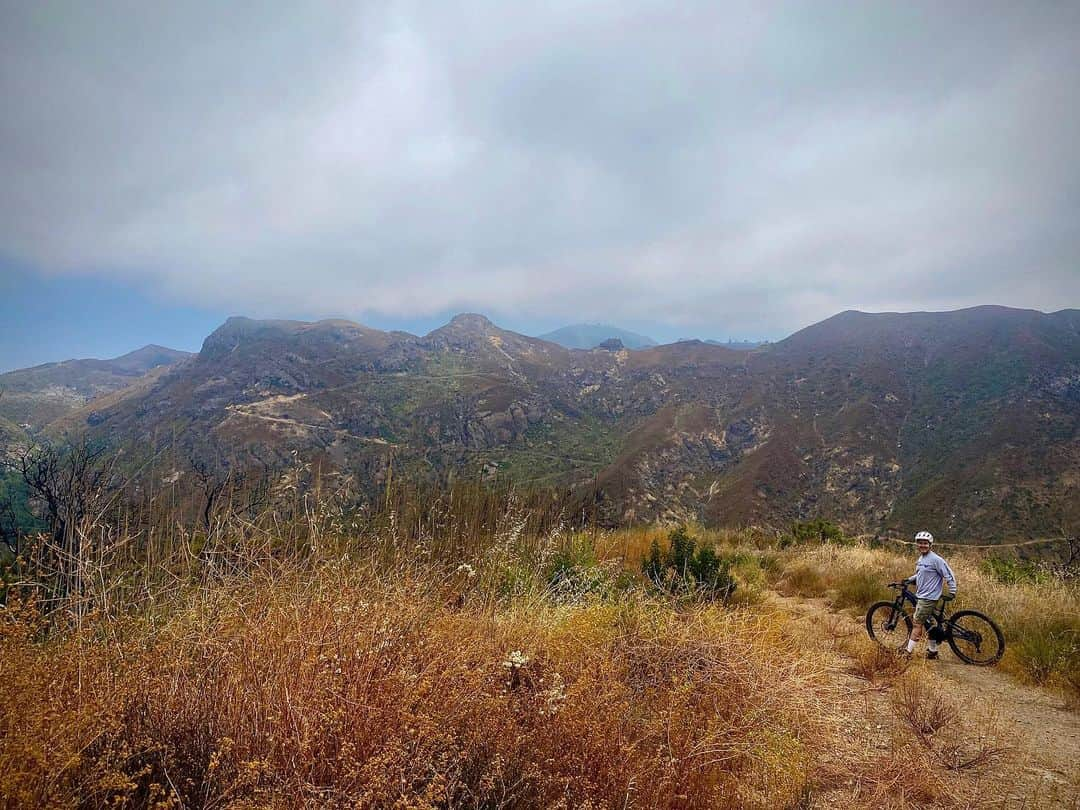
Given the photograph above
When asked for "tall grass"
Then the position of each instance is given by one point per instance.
(343, 684)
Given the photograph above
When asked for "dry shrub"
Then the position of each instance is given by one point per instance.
(802, 578)
(340, 688)
(961, 738)
(925, 710)
(875, 664)
(940, 756)
(838, 627)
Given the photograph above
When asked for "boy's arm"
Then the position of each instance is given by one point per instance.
(947, 573)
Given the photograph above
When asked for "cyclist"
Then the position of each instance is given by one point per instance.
(931, 574)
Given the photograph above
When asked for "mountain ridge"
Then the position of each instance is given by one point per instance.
(35, 396)
(967, 421)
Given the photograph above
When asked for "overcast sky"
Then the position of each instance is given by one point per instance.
(710, 169)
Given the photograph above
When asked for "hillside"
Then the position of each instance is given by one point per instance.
(34, 397)
(964, 421)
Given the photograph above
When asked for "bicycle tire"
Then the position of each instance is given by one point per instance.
(985, 630)
(877, 625)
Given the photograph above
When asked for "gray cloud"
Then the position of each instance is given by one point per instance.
(724, 168)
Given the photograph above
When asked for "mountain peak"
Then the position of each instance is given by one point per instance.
(591, 335)
(148, 357)
(472, 320)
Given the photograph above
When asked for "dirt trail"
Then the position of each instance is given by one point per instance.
(1043, 770)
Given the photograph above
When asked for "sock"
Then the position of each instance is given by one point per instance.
(932, 646)
(911, 645)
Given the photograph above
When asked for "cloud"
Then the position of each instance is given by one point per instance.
(748, 168)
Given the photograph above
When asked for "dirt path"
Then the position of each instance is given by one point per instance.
(1043, 768)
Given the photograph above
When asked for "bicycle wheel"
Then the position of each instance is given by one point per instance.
(975, 638)
(888, 626)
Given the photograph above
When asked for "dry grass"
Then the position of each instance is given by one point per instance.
(399, 676)
(874, 664)
(342, 687)
(936, 753)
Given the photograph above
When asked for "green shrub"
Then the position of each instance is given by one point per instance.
(574, 572)
(1047, 648)
(1014, 572)
(688, 569)
(815, 531)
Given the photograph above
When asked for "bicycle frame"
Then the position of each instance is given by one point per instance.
(937, 618)
(938, 624)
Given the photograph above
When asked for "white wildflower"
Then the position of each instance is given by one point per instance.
(516, 660)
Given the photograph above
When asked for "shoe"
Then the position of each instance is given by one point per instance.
(931, 655)
(902, 651)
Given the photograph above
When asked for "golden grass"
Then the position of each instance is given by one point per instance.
(339, 687)
(399, 677)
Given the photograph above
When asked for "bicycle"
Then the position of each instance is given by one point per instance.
(973, 636)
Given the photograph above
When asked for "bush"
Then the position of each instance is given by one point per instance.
(687, 568)
(804, 579)
(574, 572)
(1014, 572)
(857, 589)
(1047, 648)
(815, 531)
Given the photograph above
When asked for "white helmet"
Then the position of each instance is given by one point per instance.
(924, 535)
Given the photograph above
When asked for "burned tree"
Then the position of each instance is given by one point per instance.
(69, 486)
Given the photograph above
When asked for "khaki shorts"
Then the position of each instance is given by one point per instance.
(924, 609)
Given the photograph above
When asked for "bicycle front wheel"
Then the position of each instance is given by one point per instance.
(975, 638)
(888, 626)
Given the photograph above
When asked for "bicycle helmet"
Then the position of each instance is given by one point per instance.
(924, 535)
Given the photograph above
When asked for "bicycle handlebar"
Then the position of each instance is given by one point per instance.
(902, 584)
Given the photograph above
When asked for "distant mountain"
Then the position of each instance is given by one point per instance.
(745, 345)
(36, 396)
(589, 336)
(966, 423)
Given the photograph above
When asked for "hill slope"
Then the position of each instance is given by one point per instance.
(34, 397)
(964, 421)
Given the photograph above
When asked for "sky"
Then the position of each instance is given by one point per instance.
(706, 169)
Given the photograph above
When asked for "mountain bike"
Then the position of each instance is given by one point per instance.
(972, 635)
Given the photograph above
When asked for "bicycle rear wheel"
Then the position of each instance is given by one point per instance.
(975, 638)
(888, 626)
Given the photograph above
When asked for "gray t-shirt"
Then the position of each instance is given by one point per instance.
(930, 572)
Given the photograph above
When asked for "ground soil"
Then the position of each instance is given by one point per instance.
(1042, 766)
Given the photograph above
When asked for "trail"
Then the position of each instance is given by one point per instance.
(1044, 768)
(1018, 544)
(283, 420)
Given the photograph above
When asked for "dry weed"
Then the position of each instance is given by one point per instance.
(343, 686)
(873, 663)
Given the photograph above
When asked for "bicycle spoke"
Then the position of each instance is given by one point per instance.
(975, 639)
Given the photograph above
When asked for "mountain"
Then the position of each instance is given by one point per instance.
(964, 422)
(33, 397)
(736, 344)
(589, 336)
